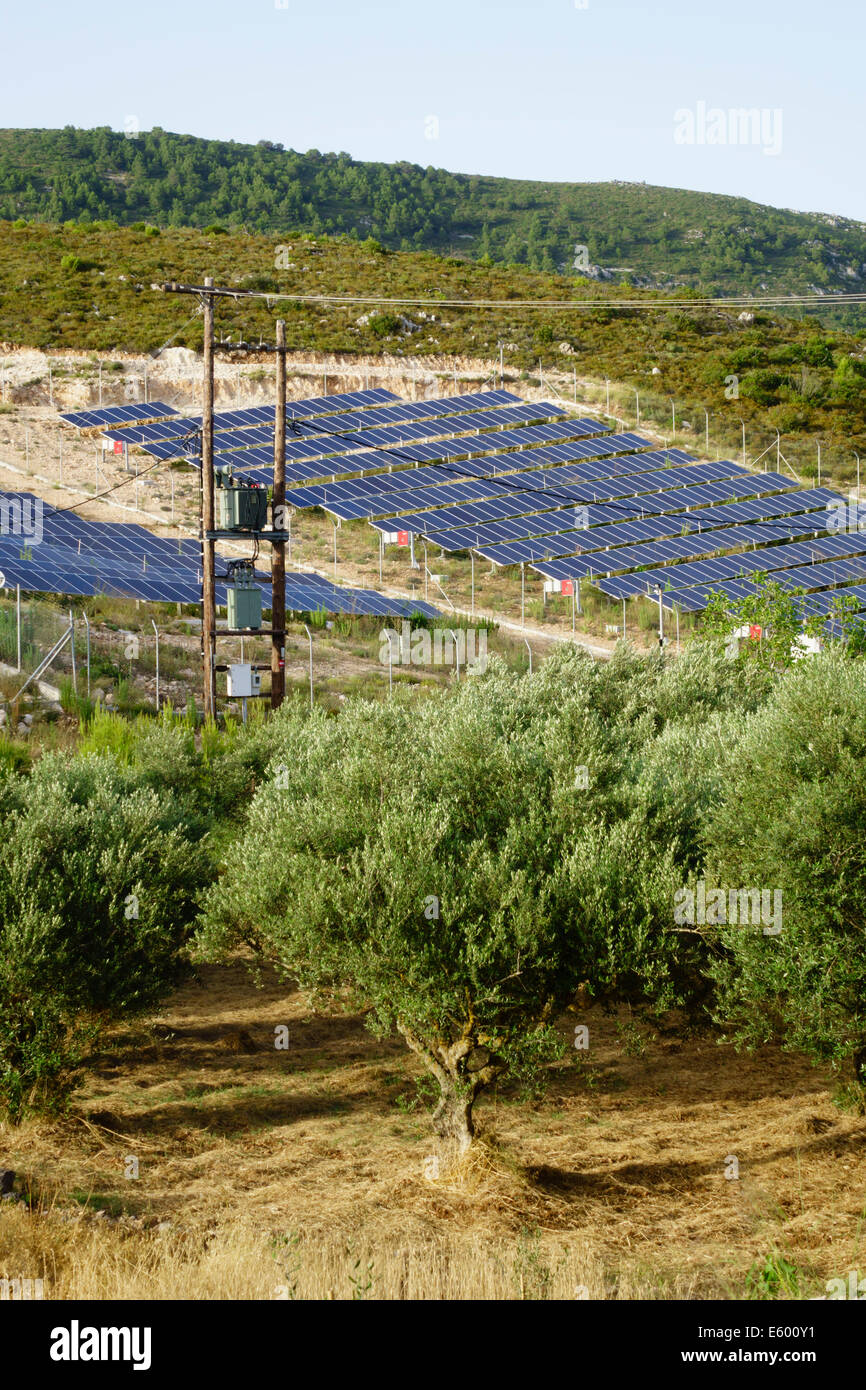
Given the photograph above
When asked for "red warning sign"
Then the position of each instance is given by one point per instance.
(568, 586)
(118, 446)
(754, 632)
(402, 537)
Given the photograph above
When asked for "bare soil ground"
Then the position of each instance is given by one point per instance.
(301, 1172)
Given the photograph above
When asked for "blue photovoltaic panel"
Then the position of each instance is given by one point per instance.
(644, 521)
(257, 464)
(430, 523)
(609, 549)
(461, 421)
(409, 411)
(486, 461)
(261, 418)
(314, 442)
(118, 414)
(764, 559)
(624, 558)
(83, 558)
(694, 598)
(258, 414)
(383, 494)
(341, 400)
(800, 513)
(451, 486)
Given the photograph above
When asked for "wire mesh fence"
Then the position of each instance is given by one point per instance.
(29, 630)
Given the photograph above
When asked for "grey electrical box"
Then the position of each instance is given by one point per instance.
(244, 605)
(244, 682)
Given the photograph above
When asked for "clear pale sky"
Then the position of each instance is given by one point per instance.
(542, 90)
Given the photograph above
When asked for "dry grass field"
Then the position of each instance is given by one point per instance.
(304, 1173)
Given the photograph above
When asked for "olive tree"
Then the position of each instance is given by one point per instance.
(456, 867)
(791, 820)
(99, 886)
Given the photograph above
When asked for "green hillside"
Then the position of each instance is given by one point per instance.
(72, 287)
(656, 237)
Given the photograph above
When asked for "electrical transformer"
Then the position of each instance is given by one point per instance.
(243, 596)
(241, 506)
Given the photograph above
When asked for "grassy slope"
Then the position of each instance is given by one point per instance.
(793, 376)
(663, 236)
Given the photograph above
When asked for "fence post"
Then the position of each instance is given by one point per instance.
(156, 632)
(18, 620)
(87, 626)
(72, 649)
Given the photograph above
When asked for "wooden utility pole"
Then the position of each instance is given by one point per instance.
(278, 557)
(208, 616)
(207, 295)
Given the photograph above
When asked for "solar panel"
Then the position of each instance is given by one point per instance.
(331, 443)
(764, 559)
(790, 516)
(653, 484)
(673, 518)
(478, 456)
(84, 558)
(257, 415)
(829, 575)
(118, 414)
(384, 494)
(625, 558)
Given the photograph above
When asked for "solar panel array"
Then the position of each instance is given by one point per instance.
(356, 409)
(521, 483)
(769, 559)
(83, 558)
(230, 446)
(607, 549)
(370, 491)
(501, 516)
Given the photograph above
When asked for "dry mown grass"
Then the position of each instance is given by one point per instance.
(303, 1172)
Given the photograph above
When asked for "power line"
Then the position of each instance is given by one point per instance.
(126, 482)
(725, 301)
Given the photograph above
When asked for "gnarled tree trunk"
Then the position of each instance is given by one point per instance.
(462, 1070)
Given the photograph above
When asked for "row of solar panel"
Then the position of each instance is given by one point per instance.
(559, 534)
(80, 558)
(37, 577)
(341, 418)
(801, 513)
(476, 456)
(65, 527)
(414, 412)
(514, 505)
(639, 519)
(118, 414)
(383, 494)
(380, 493)
(633, 557)
(156, 410)
(762, 559)
(450, 485)
(819, 605)
(337, 446)
(351, 468)
(809, 577)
